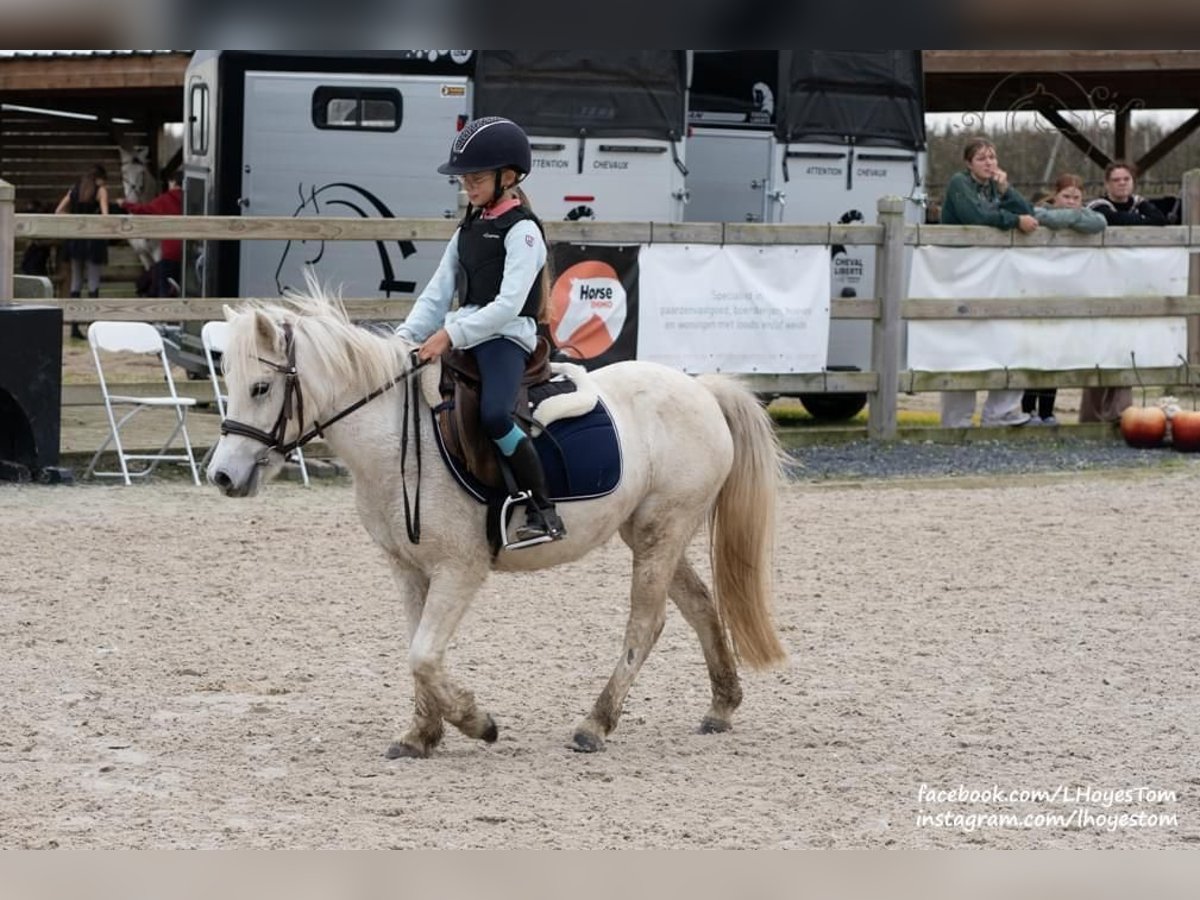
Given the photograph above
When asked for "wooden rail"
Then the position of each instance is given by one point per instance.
(887, 310)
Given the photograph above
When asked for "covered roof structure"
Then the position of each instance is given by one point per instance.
(146, 86)
(1070, 89)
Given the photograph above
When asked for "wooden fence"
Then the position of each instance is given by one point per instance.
(887, 310)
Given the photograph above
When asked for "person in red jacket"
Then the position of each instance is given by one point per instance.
(170, 267)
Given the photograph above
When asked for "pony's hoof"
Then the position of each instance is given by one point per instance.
(401, 750)
(586, 742)
(491, 732)
(709, 725)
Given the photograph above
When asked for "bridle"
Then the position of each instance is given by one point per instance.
(293, 407)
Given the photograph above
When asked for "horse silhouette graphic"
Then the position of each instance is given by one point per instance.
(343, 195)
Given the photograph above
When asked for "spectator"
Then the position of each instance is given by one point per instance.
(1062, 208)
(981, 195)
(88, 196)
(168, 270)
(1119, 205)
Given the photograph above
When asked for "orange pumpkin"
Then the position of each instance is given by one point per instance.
(1185, 425)
(1143, 426)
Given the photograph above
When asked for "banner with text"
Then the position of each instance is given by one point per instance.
(737, 308)
(994, 272)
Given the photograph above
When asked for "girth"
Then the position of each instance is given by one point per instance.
(458, 413)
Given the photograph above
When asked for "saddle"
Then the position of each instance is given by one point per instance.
(458, 412)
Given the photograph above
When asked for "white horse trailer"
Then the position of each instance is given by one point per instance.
(810, 137)
(285, 134)
(607, 129)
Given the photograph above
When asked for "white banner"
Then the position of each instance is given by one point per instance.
(994, 272)
(737, 308)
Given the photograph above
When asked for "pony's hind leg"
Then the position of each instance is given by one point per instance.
(437, 697)
(696, 604)
(655, 556)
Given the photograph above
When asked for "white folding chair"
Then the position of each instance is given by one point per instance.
(140, 338)
(215, 338)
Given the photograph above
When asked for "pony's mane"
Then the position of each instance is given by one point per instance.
(333, 354)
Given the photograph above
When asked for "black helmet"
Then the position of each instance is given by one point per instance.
(489, 143)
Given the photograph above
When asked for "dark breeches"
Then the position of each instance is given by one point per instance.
(501, 365)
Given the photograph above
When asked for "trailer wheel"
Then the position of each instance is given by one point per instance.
(833, 407)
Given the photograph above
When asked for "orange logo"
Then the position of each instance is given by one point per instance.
(587, 309)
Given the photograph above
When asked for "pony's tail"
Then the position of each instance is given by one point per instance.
(742, 526)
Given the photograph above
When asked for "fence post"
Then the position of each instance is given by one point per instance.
(885, 332)
(8, 236)
(1191, 216)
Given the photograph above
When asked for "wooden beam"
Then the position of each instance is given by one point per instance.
(1090, 150)
(972, 62)
(93, 73)
(1121, 134)
(1169, 143)
(964, 308)
(1022, 379)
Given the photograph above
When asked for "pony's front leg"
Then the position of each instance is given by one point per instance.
(435, 695)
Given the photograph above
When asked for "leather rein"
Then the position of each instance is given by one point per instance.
(293, 407)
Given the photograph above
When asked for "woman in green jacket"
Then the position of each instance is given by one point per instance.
(980, 195)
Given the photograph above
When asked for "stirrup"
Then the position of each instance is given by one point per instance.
(551, 533)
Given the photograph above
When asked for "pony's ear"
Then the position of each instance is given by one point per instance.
(266, 335)
(228, 310)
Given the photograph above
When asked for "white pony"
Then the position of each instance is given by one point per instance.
(692, 450)
(140, 186)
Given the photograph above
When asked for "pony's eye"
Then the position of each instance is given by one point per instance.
(260, 388)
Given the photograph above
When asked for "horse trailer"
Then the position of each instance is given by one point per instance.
(810, 137)
(770, 136)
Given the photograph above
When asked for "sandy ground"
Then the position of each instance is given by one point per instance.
(183, 670)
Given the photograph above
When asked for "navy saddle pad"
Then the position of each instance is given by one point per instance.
(581, 457)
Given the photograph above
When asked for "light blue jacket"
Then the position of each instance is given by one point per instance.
(1085, 220)
(525, 255)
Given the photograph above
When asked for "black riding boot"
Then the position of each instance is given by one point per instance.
(541, 518)
(76, 331)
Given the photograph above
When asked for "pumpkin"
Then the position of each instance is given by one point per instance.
(1185, 425)
(1143, 426)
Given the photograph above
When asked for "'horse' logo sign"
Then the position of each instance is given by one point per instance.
(593, 304)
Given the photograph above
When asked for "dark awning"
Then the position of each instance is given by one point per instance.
(618, 93)
(870, 96)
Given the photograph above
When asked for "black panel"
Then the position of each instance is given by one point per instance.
(615, 93)
(30, 385)
(864, 96)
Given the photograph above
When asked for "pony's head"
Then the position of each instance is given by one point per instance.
(137, 178)
(289, 367)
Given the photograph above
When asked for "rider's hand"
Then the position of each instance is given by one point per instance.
(434, 346)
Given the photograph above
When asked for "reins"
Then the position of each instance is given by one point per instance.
(293, 407)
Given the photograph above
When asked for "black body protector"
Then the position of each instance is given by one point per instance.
(481, 260)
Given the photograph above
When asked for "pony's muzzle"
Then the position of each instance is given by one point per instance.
(227, 485)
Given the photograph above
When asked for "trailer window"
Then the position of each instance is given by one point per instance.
(357, 109)
(198, 120)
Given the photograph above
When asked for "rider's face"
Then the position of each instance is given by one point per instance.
(479, 186)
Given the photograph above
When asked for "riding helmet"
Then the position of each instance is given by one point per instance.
(489, 143)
